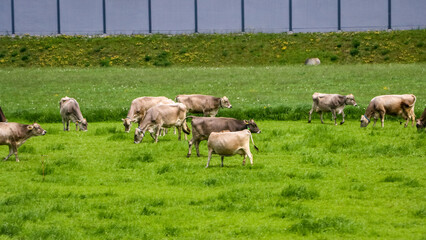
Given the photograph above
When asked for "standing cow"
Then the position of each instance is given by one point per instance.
(230, 143)
(2, 116)
(333, 103)
(139, 107)
(207, 105)
(421, 122)
(397, 105)
(162, 116)
(70, 111)
(15, 134)
(202, 127)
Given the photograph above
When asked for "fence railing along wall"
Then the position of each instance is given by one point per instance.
(49, 17)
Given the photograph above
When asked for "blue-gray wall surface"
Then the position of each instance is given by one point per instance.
(92, 17)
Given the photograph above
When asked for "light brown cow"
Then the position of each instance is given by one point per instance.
(227, 143)
(333, 103)
(162, 116)
(312, 61)
(70, 111)
(139, 107)
(2, 116)
(15, 134)
(397, 105)
(207, 105)
(421, 122)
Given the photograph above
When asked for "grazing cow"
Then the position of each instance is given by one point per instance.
(70, 111)
(230, 143)
(202, 127)
(421, 122)
(2, 116)
(397, 105)
(312, 61)
(139, 107)
(15, 134)
(207, 105)
(333, 103)
(162, 116)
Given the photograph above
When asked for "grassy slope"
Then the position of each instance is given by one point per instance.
(309, 181)
(281, 93)
(214, 49)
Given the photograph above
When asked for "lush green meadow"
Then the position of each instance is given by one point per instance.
(309, 181)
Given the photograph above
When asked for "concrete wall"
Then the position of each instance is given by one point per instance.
(40, 17)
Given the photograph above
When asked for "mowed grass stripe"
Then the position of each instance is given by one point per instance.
(308, 181)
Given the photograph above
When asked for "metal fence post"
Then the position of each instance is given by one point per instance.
(339, 16)
(389, 14)
(290, 13)
(149, 17)
(12, 6)
(104, 15)
(196, 15)
(242, 17)
(58, 15)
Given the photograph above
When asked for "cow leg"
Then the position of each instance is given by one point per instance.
(382, 116)
(310, 113)
(322, 121)
(68, 125)
(197, 148)
(157, 134)
(221, 159)
(63, 123)
(15, 151)
(244, 159)
(250, 156)
(10, 153)
(210, 157)
(180, 133)
(190, 147)
(333, 113)
(343, 118)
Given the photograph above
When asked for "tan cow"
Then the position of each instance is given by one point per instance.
(421, 122)
(138, 109)
(2, 116)
(312, 61)
(333, 103)
(15, 134)
(207, 105)
(70, 111)
(162, 116)
(397, 105)
(227, 143)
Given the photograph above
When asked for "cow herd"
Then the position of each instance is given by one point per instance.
(225, 136)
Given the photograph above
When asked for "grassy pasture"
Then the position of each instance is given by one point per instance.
(309, 181)
(269, 93)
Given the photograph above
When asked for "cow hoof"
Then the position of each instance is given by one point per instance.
(309, 121)
(342, 123)
(17, 160)
(189, 155)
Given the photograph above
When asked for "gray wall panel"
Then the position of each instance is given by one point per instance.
(362, 15)
(5, 18)
(408, 14)
(81, 17)
(173, 16)
(37, 17)
(314, 15)
(127, 16)
(271, 16)
(220, 16)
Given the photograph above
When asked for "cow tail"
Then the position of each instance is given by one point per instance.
(415, 99)
(185, 128)
(257, 149)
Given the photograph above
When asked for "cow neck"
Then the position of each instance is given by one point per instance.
(369, 112)
(24, 134)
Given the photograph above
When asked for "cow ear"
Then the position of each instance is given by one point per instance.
(30, 127)
(246, 122)
(122, 119)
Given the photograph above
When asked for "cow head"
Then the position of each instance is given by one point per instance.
(127, 122)
(82, 124)
(139, 134)
(36, 130)
(364, 121)
(420, 124)
(224, 102)
(252, 126)
(350, 100)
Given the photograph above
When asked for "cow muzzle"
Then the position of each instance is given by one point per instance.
(44, 132)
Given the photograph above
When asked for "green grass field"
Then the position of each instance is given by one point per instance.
(309, 181)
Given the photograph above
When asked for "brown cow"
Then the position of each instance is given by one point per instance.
(397, 105)
(421, 122)
(333, 103)
(15, 134)
(2, 116)
(139, 107)
(207, 105)
(70, 111)
(202, 127)
(162, 116)
(230, 143)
